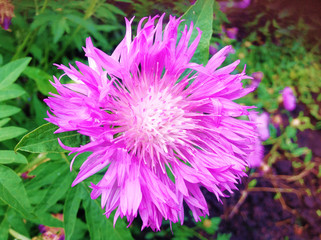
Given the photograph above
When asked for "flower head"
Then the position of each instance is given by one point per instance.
(262, 122)
(213, 49)
(6, 13)
(256, 157)
(51, 233)
(231, 32)
(243, 4)
(162, 132)
(225, 5)
(289, 100)
(257, 78)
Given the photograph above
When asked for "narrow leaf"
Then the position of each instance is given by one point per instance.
(7, 110)
(46, 173)
(58, 29)
(4, 228)
(56, 191)
(12, 91)
(11, 132)
(42, 80)
(43, 139)
(7, 156)
(12, 191)
(99, 226)
(201, 14)
(4, 121)
(17, 223)
(71, 207)
(47, 220)
(11, 71)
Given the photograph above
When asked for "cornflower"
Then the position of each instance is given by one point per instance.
(161, 125)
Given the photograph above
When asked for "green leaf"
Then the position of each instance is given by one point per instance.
(7, 110)
(252, 183)
(308, 156)
(42, 80)
(12, 191)
(11, 71)
(17, 222)
(39, 109)
(80, 230)
(4, 228)
(58, 28)
(43, 139)
(88, 25)
(99, 226)
(46, 174)
(56, 190)
(11, 132)
(224, 236)
(7, 156)
(12, 91)
(47, 219)
(43, 19)
(71, 207)
(4, 121)
(201, 14)
(299, 151)
(290, 132)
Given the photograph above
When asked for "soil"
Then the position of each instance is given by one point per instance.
(265, 214)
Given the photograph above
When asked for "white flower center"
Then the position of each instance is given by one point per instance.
(155, 122)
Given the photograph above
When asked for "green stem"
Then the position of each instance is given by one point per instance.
(44, 6)
(29, 38)
(22, 46)
(36, 6)
(41, 157)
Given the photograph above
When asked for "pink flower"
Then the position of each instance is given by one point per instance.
(6, 13)
(231, 32)
(262, 122)
(224, 5)
(257, 78)
(256, 157)
(51, 233)
(243, 4)
(213, 49)
(289, 100)
(160, 134)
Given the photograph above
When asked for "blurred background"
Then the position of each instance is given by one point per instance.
(277, 40)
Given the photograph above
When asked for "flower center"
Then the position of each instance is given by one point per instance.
(155, 123)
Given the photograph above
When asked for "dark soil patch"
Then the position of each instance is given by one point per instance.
(270, 215)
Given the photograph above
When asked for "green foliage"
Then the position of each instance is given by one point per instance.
(143, 8)
(199, 14)
(71, 207)
(11, 71)
(13, 193)
(284, 66)
(7, 156)
(42, 80)
(9, 90)
(206, 227)
(99, 226)
(43, 139)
